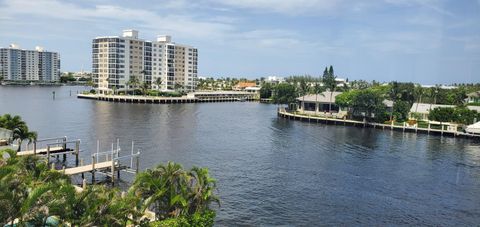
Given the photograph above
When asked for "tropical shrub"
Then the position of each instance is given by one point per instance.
(35, 195)
(458, 115)
(284, 93)
(204, 219)
(19, 128)
(401, 110)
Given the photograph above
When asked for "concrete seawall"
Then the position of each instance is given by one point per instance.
(161, 100)
(334, 121)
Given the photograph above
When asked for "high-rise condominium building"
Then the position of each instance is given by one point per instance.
(127, 62)
(34, 65)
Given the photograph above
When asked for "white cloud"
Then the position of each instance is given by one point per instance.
(290, 7)
(403, 42)
(177, 24)
(435, 5)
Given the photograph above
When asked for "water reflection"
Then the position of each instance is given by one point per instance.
(274, 171)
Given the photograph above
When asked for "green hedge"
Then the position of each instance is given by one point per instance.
(205, 219)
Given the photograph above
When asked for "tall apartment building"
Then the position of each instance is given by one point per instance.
(117, 60)
(29, 65)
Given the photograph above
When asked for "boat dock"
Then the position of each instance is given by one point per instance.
(54, 147)
(107, 163)
(282, 112)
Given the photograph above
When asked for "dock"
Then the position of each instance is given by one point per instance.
(54, 147)
(108, 163)
(195, 97)
(282, 112)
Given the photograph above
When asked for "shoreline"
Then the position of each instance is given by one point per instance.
(281, 112)
(162, 100)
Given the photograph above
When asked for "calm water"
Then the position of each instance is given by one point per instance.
(272, 171)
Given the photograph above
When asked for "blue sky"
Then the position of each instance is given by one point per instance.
(425, 41)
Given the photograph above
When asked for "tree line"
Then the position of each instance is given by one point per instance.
(367, 99)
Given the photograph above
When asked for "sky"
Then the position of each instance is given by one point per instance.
(423, 41)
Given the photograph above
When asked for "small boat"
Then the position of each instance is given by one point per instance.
(475, 128)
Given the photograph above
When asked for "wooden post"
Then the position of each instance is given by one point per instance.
(34, 147)
(136, 163)
(64, 143)
(84, 184)
(93, 169)
(81, 164)
(77, 151)
(113, 171)
(48, 153)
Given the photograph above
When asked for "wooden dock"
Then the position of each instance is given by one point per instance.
(54, 147)
(107, 163)
(43, 151)
(90, 168)
(404, 128)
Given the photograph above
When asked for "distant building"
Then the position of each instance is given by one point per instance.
(422, 110)
(116, 60)
(242, 85)
(473, 97)
(320, 104)
(275, 79)
(82, 75)
(441, 86)
(29, 65)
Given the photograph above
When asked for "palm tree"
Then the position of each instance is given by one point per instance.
(178, 87)
(201, 187)
(163, 188)
(303, 91)
(418, 93)
(127, 85)
(134, 82)
(144, 86)
(158, 82)
(318, 90)
(330, 83)
(11, 123)
(393, 93)
(22, 133)
(432, 93)
(459, 96)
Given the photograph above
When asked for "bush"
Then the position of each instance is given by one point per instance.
(400, 110)
(152, 93)
(92, 91)
(204, 219)
(459, 115)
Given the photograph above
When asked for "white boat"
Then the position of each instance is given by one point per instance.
(475, 128)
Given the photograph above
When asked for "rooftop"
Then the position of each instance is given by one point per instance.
(425, 108)
(323, 97)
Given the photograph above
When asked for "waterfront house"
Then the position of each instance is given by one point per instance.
(242, 85)
(319, 104)
(473, 97)
(421, 110)
(6, 137)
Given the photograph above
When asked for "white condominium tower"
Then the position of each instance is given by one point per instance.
(29, 65)
(127, 62)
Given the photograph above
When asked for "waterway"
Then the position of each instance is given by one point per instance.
(273, 171)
